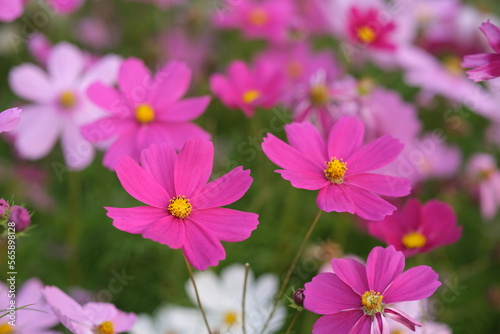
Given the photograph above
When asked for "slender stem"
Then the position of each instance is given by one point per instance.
(243, 302)
(290, 271)
(191, 276)
(73, 236)
(295, 317)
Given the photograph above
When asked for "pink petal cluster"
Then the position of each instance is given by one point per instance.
(359, 298)
(145, 110)
(93, 317)
(9, 119)
(339, 167)
(483, 171)
(418, 228)
(183, 210)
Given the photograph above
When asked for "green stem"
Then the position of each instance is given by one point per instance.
(247, 268)
(74, 213)
(295, 317)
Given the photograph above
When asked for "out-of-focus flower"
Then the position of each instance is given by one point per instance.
(355, 297)
(183, 210)
(21, 217)
(486, 65)
(170, 319)
(4, 208)
(9, 119)
(101, 318)
(11, 10)
(482, 168)
(66, 6)
(39, 47)
(418, 228)
(246, 88)
(417, 310)
(60, 105)
(142, 114)
(34, 319)
(95, 33)
(339, 167)
(221, 300)
(366, 26)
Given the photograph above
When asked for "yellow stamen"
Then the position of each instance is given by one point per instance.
(452, 64)
(319, 94)
(397, 331)
(258, 17)
(6, 329)
(105, 328)
(366, 34)
(372, 302)
(250, 96)
(180, 207)
(485, 174)
(294, 69)
(144, 113)
(230, 318)
(414, 240)
(67, 100)
(335, 170)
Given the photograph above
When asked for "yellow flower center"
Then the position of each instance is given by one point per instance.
(414, 240)
(105, 328)
(335, 170)
(144, 113)
(372, 302)
(230, 318)
(397, 331)
(67, 100)
(6, 329)
(294, 69)
(453, 66)
(485, 174)
(319, 94)
(180, 207)
(250, 96)
(258, 17)
(366, 34)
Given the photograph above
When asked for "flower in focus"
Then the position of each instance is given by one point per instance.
(34, 319)
(486, 65)
(357, 298)
(20, 216)
(170, 320)
(60, 105)
(98, 318)
(418, 228)
(9, 119)
(183, 210)
(339, 167)
(482, 169)
(141, 113)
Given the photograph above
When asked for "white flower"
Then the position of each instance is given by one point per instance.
(170, 320)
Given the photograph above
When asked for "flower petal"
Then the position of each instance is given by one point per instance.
(492, 33)
(135, 220)
(383, 266)
(352, 273)
(134, 80)
(78, 152)
(381, 184)
(65, 64)
(307, 139)
(9, 119)
(402, 318)
(485, 72)
(159, 161)
(174, 78)
(414, 284)
(106, 128)
(345, 137)
(108, 99)
(362, 326)
(124, 145)
(368, 205)
(105, 70)
(336, 198)
(479, 59)
(179, 133)
(339, 323)
(202, 248)
(169, 231)
(380, 325)
(185, 110)
(30, 82)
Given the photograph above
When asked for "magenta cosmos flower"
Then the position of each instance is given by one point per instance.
(9, 119)
(146, 110)
(358, 299)
(339, 166)
(183, 210)
(91, 318)
(418, 228)
(486, 65)
(366, 26)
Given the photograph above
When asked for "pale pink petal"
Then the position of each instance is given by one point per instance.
(11, 10)
(169, 230)
(402, 318)
(487, 200)
(108, 99)
(336, 198)
(202, 248)
(30, 82)
(328, 294)
(381, 184)
(125, 145)
(65, 64)
(345, 137)
(140, 184)
(193, 167)
(9, 119)
(135, 220)
(69, 310)
(124, 322)
(185, 110)
(105, 70)
(31, 293)
(352, 273)
(307, 139)
(304, 179)
(97, 312)
(135, 81)
(227, 224)
(414, 284)
(180, 132)
(159, 161)
(339, 323)
(174, 78)
(78, 152)
(225, 190)
(368, 205)
(106, 128)
(382, 267)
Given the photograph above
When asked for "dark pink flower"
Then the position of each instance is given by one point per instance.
(366, 26)
(358, 299)
(183, 211)
(21, 217)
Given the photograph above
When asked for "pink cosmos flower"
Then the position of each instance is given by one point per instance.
(60, 105)
(482, 169)
(486, 65)
(367, 27)
(246, 88)
(141, 113)
(34, 319)
(66, 6)
(99, 318)
(9, 119)
(183, 210)
(339, 167)
(11, 10)
(358, 299)
(418, 228)
(39, 47)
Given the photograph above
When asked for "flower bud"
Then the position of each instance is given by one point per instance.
(298, 297)
(21, 217)
(4, 208)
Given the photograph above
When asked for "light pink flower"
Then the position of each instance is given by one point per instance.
(34, 319)
(358, 299)
(418, 228)
(101, 318)
(339, 167)
(246, 88)
(146, 110)
(9, 119)
(11, 10)
(418, 310)
(39, 47)
(183, 211)
(482, 169)
(60, 105)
